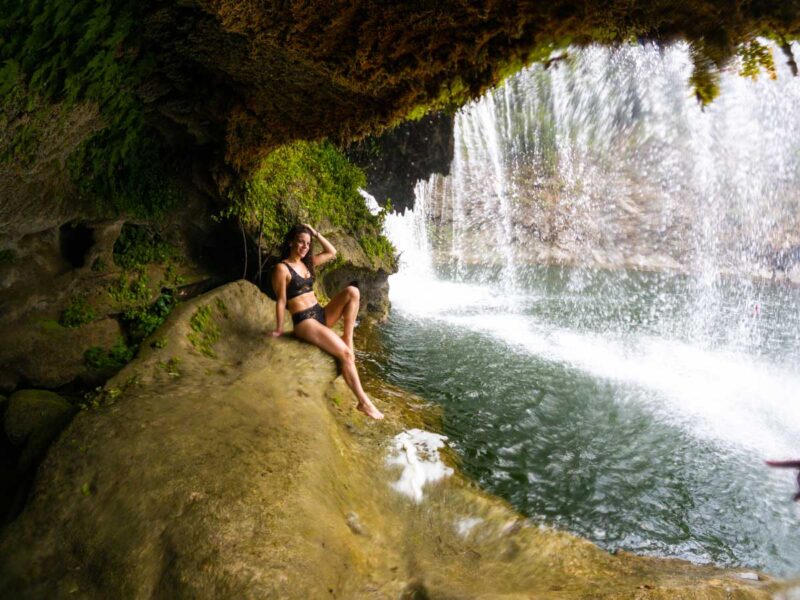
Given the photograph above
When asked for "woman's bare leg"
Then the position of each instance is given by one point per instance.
(344, 304)
(316, 333)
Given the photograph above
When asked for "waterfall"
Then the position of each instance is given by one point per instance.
(590, 293)
(606, 166)
(606, 159)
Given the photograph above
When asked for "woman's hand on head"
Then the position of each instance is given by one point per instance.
(313, 231)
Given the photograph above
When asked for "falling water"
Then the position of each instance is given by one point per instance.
(590, 296)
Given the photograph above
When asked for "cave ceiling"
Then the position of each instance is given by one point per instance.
(241, 77)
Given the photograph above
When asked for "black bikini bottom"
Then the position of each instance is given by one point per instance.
(315, 312)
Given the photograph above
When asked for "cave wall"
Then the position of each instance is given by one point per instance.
(245, 76)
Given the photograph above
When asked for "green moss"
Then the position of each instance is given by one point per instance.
(62, 52)
(113, 359)
(131, 288)
(137, 246)
(172, 278)
(313, 183)
(141, 321)
(379, 249)
(222, 307)
(205, 331)
(79, 312)
(50, 326)
(171, 367)
(126, 171)
(139, 316)
(99, 265)
(704, 79)
(100, 397)
(755, 57)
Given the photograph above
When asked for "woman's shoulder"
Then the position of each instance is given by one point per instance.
(281, 267)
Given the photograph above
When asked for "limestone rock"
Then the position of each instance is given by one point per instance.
(397, 159)
(372, 275)
(50, 355)
(32, 421)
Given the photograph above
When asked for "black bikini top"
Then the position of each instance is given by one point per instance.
(298, 285)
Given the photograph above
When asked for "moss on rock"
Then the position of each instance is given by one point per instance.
(306, 182)
(204, 331)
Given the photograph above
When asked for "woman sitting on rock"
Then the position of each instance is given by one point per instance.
(293, 282)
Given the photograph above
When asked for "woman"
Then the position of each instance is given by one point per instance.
(293, 281)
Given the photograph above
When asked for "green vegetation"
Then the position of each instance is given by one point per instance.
(99, 359)
(306, 182)
(100, 397)
(131, 288)
(137, 246)
(171, 367)
(171, 276)
(141, 321)
(222, 307)
(99, 265)
(79, 312)
(56, 54)
(755, 57)
(205, 331)
(139, 317)
(380, 248)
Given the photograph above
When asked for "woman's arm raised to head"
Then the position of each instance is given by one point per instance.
(280, 277)
(328, 251)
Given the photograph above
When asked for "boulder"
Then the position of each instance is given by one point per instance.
(47, 354)
(33, 419)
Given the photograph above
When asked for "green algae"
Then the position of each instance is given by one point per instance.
(137, 246)
(204, 331)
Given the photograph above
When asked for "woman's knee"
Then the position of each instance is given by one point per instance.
(346, 355)
(353, 293)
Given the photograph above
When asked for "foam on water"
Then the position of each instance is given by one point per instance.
(417, 453)
(736, 399)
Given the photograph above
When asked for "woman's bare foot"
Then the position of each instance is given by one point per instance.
(369, 409)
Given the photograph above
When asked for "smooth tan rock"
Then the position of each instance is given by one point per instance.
(48, 354)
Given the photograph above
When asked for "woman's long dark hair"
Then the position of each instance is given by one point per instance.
(286, 246)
